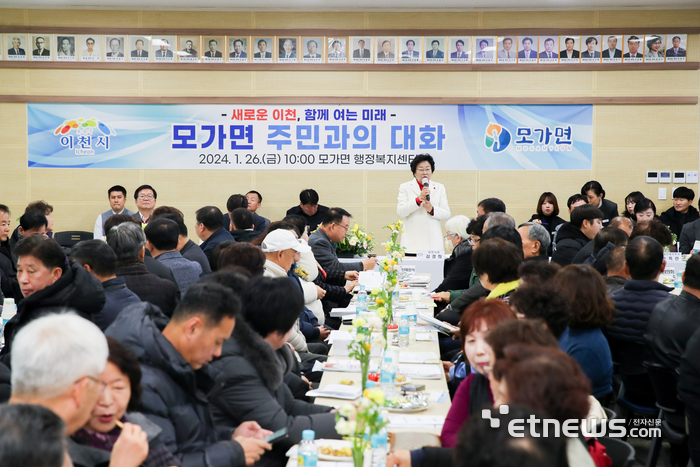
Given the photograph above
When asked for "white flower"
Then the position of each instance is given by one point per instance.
(363, 403)
(353, 241)
(346, 410)
(379, 341)
(345, 427)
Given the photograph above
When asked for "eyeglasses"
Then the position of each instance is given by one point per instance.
(341, 225)
(102, 383)
(473, 239)
(146, 196)
(449, 236)
(424, 170)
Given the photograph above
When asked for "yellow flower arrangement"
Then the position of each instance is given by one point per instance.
(357, 241)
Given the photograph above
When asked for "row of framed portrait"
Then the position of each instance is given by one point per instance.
(611, 48)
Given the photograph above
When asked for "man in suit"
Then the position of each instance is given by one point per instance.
(90, 50)
(386, 50)
(288, 50)
(262, 47)
(16, 50)
(312, 47)
(548, 49)
(460, 50)
(164, 51)
(212, 52)
(676, 50)
(506, 51)
(40, 51)
(591, 44)
(483, 53)
(633, 47)
(139, 52)
(435, 51)
(361, 52)
(337, 50)
(189, 50)
(527, 51)
(114, 45)
(409, 52)
(612, 51)
(238, 50)
(569, 52)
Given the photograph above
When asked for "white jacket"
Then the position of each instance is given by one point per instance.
(423, 231)
(296, 338)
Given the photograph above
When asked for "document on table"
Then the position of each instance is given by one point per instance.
(339, 312)
(418, 357)
(418, 279)
(422, 337)
(441, 326)
(434, 422)
(345, 366)
(337, 391)
(339, 335)
(371, 280)
(420, 371)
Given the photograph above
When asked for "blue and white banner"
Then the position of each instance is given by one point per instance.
(359, 137)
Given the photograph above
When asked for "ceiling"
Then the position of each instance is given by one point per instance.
(351, 5)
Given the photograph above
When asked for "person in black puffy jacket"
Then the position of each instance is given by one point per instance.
(586, 222)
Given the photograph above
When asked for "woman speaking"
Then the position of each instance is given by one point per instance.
(423, 204)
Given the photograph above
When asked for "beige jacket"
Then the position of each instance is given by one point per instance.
(296, 338)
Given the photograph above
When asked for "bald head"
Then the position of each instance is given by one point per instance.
(622, 223)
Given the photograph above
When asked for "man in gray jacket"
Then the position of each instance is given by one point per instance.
(333, 230)
(162, 236)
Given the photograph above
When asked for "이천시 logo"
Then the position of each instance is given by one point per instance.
(84, 126)
(497, 138)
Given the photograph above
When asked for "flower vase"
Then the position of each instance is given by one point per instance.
(357, 457)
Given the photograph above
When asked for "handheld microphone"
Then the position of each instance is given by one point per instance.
(425, 185)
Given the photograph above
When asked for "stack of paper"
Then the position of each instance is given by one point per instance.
(418, 357)
(420, 371)
(337, 391)
(441, 326)
(339, 312)
(346, 366)
(339, 335)
(418, 279)
(433, 422)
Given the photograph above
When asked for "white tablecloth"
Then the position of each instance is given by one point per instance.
(432, 267)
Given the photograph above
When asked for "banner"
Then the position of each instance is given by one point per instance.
(356, 137)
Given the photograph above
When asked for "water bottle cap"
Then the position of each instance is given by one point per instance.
(362, 286)
(308, 434)
(369, 384)
(387, 358)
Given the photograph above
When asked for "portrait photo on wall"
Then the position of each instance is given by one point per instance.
(237, 49)
(386, 49)
(287, 49)
(633, 48)
(263, 49)
(549, 49)
(213, 49)
(337, 49)
(460, 49)
(90, 48)
(654, 50)
(527, 48)
(164, 48)
(435, 49)
(362, 49)
(187, 50)
(507, 52)
(591, 52)
(139, 48)
(411, 47)
(484, 49)
(612, 48)
(16, 46)
(675, 47)
(41, 47)
(65, 48)
(570, 49)
(313, 49)
(115, 48)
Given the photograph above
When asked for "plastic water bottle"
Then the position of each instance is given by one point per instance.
(379, 448)
(9, 310)
(387, 381)
(308, 452)
(404, 333)
(361, 301)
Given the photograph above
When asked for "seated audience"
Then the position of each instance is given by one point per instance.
(547, 213)
(572, 203)
(689, 393)
(542, 302)
(590, 310)
(634, 303)
(690, 233)
(145, 198)
(654, 229)
(240, 201)
(69, 381)
(536, 241)
(216, 253)
(594, 193)
(117, 199)
(187, 248)
(210, 229)
(32, 222)
(473, 392)
(537, 272)
(618, 273)
(336, 223)
(97, 258)
(496, 262)
(309, 209)
(682, 212)
(243, 255)
(623, 223)
(20, 423)
(129, 243)
(48, 283)
(253, 365)
(254, 203)
(9, 287)
(242, 227)
(498, 218)
(597, 250)
(458, 267)
(644, 210)
(674, 320)
(94, 443)
(162, 237)
(176, 378)
(630, 201)
(574, 235)
(489, 205)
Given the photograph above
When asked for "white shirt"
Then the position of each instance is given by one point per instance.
(99, 232)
